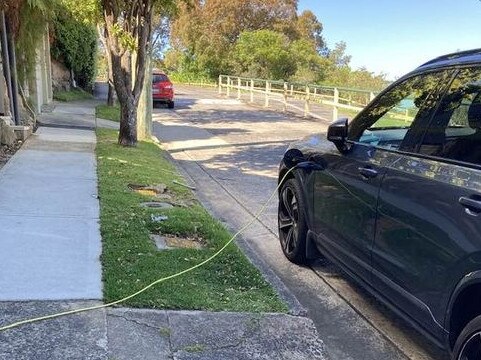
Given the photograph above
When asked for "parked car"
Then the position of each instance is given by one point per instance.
(162, 89)
(395, 200)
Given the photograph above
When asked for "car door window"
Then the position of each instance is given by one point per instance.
(455, 131)
(386, 122)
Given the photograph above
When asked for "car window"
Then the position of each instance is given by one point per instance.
(455, 131)
(159, 78)
(386, 122)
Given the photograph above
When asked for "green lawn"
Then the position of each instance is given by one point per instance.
(72, 95)
(108, 112)
(130, 259)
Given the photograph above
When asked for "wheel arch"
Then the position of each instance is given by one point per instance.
(464, 305)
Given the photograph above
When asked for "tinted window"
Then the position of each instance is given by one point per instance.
(159, 78)
(386, 122)
(455, 132)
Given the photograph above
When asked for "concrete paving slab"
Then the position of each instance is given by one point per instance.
(107, 124)
(187, 335)
(67, 120)
(138, 334)
(47, 196)
(243, 336)
(77, 108)
(54, 164)
(77, 337)
(44, 258)
(67, 135)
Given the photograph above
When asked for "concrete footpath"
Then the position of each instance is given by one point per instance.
(50, 249)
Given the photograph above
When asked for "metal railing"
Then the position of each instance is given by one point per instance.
(300, 97)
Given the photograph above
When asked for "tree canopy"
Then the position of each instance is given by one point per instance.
(258, 38)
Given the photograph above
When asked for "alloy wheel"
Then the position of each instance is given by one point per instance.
(288, 219)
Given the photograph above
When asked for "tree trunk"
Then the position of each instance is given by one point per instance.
(111, 92)
(144, 111)
(135, 20)
(128, 126)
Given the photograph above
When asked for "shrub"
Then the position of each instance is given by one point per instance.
(75, 44)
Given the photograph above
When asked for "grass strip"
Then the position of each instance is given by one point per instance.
(72, 95)
(131, 260)
(104, 111)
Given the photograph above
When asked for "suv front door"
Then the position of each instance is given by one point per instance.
(427, 227)
(346, 192)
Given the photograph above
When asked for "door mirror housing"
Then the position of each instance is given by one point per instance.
(337, 133)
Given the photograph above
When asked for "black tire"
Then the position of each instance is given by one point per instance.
(468, 343)
(292, 222)
(155, 104)
(170, 104)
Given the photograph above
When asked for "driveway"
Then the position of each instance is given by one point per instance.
(231, 151)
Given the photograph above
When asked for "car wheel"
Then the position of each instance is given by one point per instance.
(468, 344)
(170, 105)
(292, 222)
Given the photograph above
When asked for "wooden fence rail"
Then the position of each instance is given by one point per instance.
(292, 95)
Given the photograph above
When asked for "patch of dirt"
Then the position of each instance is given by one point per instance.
(149, 190)
(6, 152)
(186, 243)
(162, 194)
(146, 192)
(167, 242)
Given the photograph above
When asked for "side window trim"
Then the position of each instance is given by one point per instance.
(442, 160)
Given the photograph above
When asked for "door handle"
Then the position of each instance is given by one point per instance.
(368, 172)
(473, 207)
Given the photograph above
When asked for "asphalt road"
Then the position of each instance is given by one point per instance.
(231, 151)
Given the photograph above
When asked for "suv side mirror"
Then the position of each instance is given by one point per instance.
(337, 133)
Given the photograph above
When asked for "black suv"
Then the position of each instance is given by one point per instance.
(396, 200)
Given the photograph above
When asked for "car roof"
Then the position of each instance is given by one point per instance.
(457, 58)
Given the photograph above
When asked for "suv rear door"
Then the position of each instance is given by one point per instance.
(429, 209)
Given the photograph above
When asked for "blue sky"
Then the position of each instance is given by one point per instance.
(394, 37)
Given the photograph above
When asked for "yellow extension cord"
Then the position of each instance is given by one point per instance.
(96, 307)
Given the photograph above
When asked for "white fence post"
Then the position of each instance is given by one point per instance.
(335, 113)
(228, 86)
(266, 104)
(220, 84)
(292, 90)
(252, 90)
(238, 88)
(285, 96)
(306, 104)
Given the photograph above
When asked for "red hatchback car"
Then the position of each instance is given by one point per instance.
(162, 89)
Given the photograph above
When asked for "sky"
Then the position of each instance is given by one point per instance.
(394, 37)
